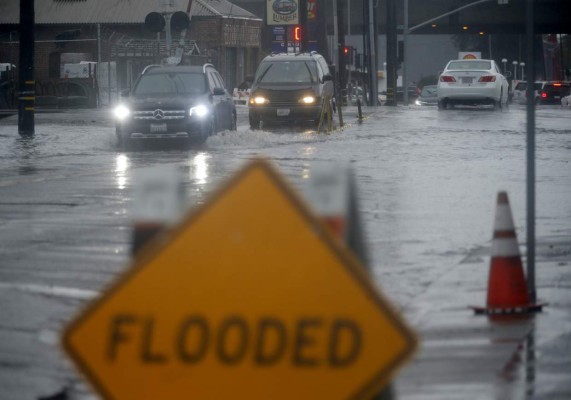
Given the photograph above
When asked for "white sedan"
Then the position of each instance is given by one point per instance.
(472, 82)
(566, 101)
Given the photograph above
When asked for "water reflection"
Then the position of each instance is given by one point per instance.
(530, 361)
(121, 167)
(309, 150)
(199, 168)
(27, 151)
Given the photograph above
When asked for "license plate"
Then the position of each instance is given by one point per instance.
(283, 112)
(556, 97)
(466, 80)
(158, 128)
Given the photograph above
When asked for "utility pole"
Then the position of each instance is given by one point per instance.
(529, 12)
(27, 84)
(304, 39)
(391, 53)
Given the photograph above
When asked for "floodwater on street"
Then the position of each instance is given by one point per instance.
(426, 183)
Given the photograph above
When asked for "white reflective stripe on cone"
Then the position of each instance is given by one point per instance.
(505, 247)
(504, 220)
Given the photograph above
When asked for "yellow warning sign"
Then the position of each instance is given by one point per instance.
(248, 297)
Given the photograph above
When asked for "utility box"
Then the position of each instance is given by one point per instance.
(84, 69)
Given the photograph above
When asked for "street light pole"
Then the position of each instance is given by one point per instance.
(515, 69)
(522, 64)
(505, 61)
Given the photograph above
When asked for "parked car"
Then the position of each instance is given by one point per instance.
(519, 92)
(175, 102)
(289, 87)
(413, 93)
(472, 82)
(551, 92)
(428, 96)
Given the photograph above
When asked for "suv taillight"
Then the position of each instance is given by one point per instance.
(543, 95)
(446, 78)
(487, 78)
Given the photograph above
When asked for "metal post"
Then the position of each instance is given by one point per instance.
(335, 41)
(366, 48)
(405, 55)
(373, 58)
(98, 62)
(109, 82)
(530, 152)
(98, 43)
(341, 65)
(349, 85)
(391, 53)
(27, 84)
(304, 39)
(168, 32)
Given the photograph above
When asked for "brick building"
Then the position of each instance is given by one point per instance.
(114, 32)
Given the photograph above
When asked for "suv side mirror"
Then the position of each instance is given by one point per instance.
(124, 92)
(327, 77)
(218, 91)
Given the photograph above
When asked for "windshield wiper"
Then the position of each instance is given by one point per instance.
(264, 73)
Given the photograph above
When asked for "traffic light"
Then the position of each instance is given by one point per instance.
(348, 55)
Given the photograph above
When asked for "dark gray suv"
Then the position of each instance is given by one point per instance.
(175, 102)
(290, 87)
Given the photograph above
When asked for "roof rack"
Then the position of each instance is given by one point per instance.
(148, 67)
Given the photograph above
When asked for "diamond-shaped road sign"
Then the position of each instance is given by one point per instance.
(249, 297)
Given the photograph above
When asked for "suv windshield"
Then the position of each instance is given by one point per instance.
(287, 72)
(169, 84)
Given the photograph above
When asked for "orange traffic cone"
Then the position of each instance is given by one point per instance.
(507, 287)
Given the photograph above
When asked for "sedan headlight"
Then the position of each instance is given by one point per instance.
(307, 100)
(198, 111)
(259, 100)
(121, 112)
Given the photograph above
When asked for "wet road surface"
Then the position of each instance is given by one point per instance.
(427, 182)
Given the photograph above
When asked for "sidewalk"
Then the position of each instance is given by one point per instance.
(464, 356)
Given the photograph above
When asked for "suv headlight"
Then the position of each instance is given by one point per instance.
(121, 112)
(198, 111)
(259, 100)
(307, 100)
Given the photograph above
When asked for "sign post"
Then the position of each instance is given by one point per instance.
(250, 295)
